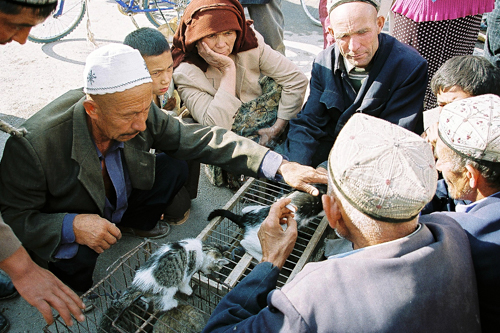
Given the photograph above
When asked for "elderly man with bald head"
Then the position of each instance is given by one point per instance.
(364, 71)
(84, 173)
(405, 273)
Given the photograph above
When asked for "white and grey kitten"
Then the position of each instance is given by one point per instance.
(167, 271)
(251, 218)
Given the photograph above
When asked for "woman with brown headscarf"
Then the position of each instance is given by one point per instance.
(219, 64)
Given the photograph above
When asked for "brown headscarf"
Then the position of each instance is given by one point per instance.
(205, 17)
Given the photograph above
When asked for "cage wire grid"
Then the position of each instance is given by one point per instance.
(193, 311)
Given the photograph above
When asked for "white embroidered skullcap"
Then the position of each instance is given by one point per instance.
(114, 68)
(382, 169)
(332, 4)
(471, 127)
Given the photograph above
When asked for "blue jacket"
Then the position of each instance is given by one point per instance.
(481, 222)
(421, 283)
(394, 91)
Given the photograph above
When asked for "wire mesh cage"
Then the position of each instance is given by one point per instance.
(193, 311)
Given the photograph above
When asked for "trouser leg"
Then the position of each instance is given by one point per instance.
(492, 45)
(269, 22)
(145, 207)
(77, 271)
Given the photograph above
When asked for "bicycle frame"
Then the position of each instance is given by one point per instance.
(59, 11)
(137, 8)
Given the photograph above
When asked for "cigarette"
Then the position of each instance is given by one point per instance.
(291, 207)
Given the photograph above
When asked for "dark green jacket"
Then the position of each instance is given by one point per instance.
(55, 170)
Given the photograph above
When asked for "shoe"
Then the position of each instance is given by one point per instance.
(177, 212)
(4, 324)
(7, 289)
(159, 231)
(177, 221)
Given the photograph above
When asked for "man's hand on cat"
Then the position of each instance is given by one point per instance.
(277, 244)
(301, 176)
(95, 232)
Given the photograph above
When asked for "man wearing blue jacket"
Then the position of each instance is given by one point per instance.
(364, 71)
(468, 155)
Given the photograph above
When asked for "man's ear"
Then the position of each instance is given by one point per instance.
(473, 175)
(330, 31)
(380, 23)
(332, 209)
(91, 108)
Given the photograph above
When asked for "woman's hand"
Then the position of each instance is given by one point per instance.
(222, 63)
(269, 134)
(219, 61)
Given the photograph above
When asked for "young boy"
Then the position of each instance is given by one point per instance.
(155, 50)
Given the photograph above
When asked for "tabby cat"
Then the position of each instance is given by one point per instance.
(308, 208)
(168, 270)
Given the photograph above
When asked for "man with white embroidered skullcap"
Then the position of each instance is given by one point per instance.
(36, 285)
(84, 174)
(468, 155)
(405, 273)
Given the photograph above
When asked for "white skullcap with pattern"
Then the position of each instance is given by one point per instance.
(332, 4)
(382, 169)
(471, 127)
(114, 68)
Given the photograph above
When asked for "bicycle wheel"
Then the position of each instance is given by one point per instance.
(65, 19)
(160, 12)
(311, 8)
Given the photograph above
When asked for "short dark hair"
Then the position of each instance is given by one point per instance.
(473, 74)
(41, 11)
(149, 42)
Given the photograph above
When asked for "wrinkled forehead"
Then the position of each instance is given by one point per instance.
(353, 17)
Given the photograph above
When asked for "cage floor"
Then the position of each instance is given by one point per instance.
(193, 311)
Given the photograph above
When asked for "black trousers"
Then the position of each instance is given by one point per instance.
(144, 210)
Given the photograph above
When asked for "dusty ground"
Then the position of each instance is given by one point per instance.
(32, 75)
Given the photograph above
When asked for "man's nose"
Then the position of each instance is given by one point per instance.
(353, 44)
(22, 35)
(139, 123)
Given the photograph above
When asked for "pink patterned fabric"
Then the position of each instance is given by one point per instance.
(439, 10)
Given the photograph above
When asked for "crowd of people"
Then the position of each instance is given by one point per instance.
(424, 252)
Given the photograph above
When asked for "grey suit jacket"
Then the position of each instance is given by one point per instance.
(55, 170)
(422, 283)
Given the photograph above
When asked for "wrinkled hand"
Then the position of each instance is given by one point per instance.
(431, 134)
(277, 244)
(95, 232)
(267, 135)
(301, 176)
(219, 61)
(42, 289)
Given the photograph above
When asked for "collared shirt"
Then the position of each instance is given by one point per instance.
(356, 75)
(345, 254)
(123, 186)
(468, 208)
(112, 212)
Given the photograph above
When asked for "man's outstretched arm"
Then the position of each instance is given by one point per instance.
(41, 288)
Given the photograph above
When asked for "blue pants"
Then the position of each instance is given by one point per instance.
(492, 44)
